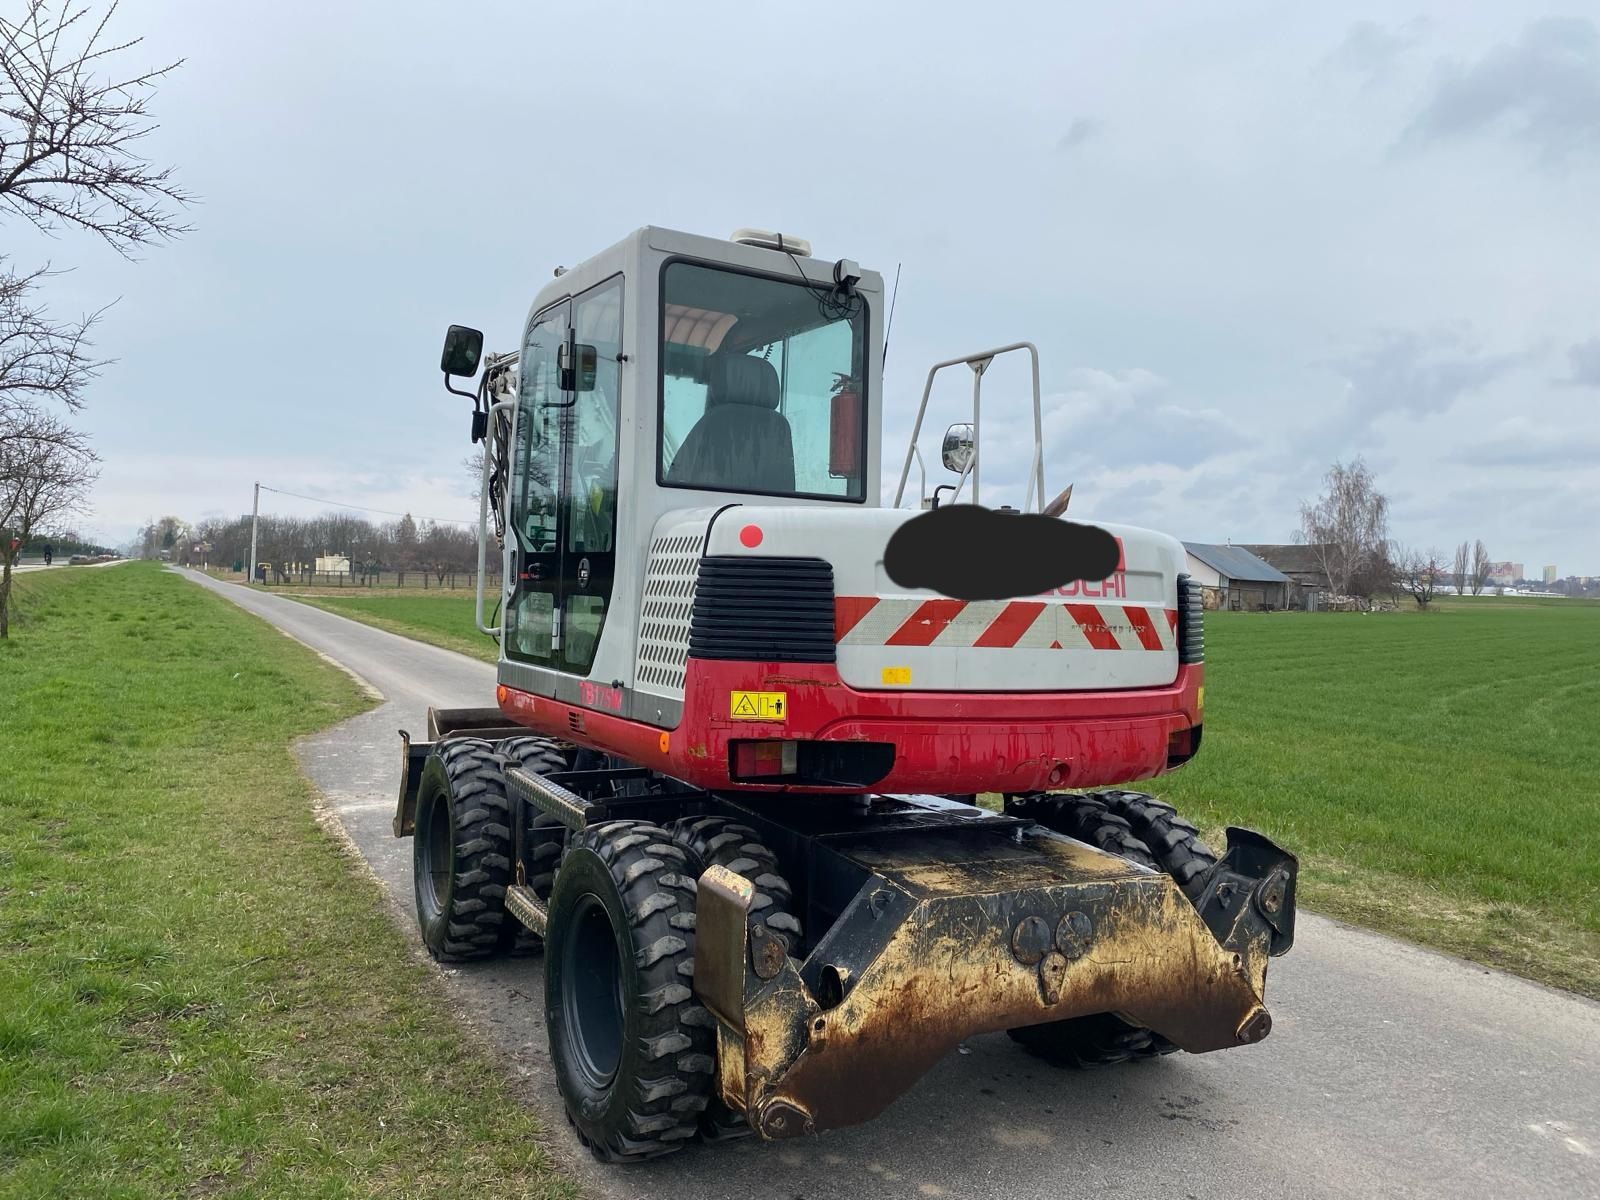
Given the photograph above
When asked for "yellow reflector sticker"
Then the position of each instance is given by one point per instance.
(897, 676)
(1200, 697)
(757, 706)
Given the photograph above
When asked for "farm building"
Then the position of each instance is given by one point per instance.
(1308, 578)
(1232, 577)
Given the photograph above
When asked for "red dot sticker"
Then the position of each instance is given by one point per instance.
(751, 536)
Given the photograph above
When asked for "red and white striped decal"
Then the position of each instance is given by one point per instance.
(1002, 624)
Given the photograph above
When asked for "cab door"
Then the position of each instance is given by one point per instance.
(564, 485)
(533, 569)
(588, 524)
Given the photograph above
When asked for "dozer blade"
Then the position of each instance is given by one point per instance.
(443, 724)
(958, 935)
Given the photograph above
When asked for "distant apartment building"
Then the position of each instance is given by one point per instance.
(1549, 576)
(1504, 574)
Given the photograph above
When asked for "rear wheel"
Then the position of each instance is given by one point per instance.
(633, 1050)
(461, 852)
(1174, 841)
(722, 842)
(1103, 1039)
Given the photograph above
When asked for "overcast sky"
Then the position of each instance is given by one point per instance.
(1249, 239)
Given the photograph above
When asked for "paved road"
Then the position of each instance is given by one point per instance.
(1391, 1071)
(39, 565)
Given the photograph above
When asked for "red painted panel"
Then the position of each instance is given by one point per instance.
(944, 742)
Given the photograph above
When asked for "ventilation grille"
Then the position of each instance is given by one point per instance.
(763, 610)
(669, 578)
(1191, 622)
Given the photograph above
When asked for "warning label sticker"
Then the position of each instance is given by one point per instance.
(757, 706)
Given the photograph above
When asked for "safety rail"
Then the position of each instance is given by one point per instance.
(979, 363)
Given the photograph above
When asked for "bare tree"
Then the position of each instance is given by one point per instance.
(71, 133)
(40, 357)
(1419, 572)
(1480, 567)
(1348, 527)
(1463, 558)
(445, 548)
(45, 471)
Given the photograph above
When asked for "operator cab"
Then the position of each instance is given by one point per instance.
(684, 372)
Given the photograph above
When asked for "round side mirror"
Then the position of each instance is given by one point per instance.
(958, 448)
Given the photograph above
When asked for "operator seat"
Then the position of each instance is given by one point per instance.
(742, 442)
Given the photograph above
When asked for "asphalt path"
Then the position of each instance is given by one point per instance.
(1390, 1071)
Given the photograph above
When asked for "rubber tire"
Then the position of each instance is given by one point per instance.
(467, 919)
(666, 1065)
(1174, 841)
(1086, 817)
(1103, 1039)
(544, 838)
(723, 842)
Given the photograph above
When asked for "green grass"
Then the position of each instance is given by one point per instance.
(201, 993)
(445, 620)
(1438, 773)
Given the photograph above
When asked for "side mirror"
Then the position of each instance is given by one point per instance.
(575, 366)
(958, 447)
(463, 348)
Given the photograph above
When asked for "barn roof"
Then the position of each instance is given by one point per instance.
(1295, 556)
(1235, 562)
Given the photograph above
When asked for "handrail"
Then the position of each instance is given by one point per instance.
(483, 519)
(979, 363)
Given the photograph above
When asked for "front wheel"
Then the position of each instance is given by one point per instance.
(634, 1052)
(461, 852)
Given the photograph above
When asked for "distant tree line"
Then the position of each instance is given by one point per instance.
(400, 545)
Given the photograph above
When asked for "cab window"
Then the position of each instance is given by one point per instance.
(762, 385)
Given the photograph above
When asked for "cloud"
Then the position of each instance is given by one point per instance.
(1542, 89)
(1080, 131)
(1122, 417)
(1585, 358)
(1519, 442)
(1418, 374)
(1373, 51)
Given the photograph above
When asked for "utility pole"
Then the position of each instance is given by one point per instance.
(255, 511)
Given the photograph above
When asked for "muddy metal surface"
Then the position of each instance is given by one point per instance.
(1391, 1071)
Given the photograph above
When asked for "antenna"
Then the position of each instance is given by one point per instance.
(889, 324)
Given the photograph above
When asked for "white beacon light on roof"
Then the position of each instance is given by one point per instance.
(770, 240)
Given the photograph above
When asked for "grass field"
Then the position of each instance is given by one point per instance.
(201, 993)
(440, 619)
(1438, 773)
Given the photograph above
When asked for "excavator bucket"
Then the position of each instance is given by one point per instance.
(953, 935)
